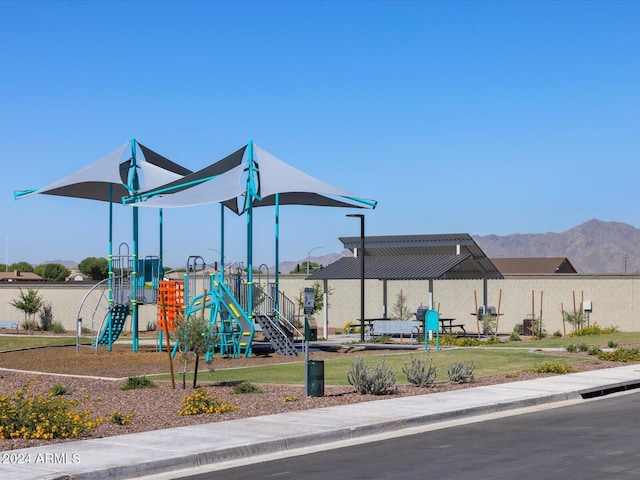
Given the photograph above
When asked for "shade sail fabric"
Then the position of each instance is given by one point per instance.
(215, 189)
(110, 173)
(225, 182)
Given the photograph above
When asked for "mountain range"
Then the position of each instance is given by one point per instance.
(592, 247)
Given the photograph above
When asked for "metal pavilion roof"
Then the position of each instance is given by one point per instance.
(412, 257)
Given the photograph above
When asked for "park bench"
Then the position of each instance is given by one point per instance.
(395, 328)
(9, 324)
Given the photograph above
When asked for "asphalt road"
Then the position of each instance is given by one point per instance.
(597, 439)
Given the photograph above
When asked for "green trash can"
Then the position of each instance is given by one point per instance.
(315, 378)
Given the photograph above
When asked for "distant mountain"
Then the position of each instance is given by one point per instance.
(592, 247)
(66, 263)
(324, 260)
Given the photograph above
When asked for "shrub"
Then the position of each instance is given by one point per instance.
(418, 373)
(557, 334)
(514, 337)
(56, 327)
(488, 323)
(594, 329)
(376, 380)
(519, 329)
(572, 348)
(620, 355)
(594, 350)
(583, 347)
(58, 389)
(553, 367)
(246, 387)
(201, 401)
(461, 372)
(492, 341)
(290, 399)
(46, 317)
(45, 417)
(118, 418)
(612, 344)
(137, 382)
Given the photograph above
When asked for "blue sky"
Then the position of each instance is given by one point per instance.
(475, 117)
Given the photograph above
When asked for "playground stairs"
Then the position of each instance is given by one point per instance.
(275, 320)
(281, 340)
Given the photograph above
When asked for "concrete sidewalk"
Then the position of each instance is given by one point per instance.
(147, 453)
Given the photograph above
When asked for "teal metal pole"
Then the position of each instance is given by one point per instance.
(134, 270)
(249, 199)
(222, 239)
(277, 299)
(161, 243)
(110, 265)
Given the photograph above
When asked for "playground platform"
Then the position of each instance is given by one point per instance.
(169, 453)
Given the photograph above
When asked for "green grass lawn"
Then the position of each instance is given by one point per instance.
(491, 360)
(487, 362)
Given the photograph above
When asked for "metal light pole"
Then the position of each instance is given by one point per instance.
(361, 253)
(309, 257)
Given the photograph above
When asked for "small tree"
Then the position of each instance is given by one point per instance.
(29, 303)
(400, 309)
(195, 335)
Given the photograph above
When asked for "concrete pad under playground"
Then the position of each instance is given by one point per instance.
(166, 450)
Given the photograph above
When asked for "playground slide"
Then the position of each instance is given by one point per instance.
(219, 299)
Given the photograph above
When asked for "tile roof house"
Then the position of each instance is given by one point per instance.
(534, 265)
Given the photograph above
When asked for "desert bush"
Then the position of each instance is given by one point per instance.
(137, 382)
(553, 367)
(594, 350)
(418, 373)
(246, 387)
(572, 348)
(118, 418)
(620, 355)
(56, 327)
(461, 372)
(612, 344)
(58, 389)
(201, 401)
(583, 347)
(594, 329)
(557, 334)
(514, 337)
(46, 317)
(25, 415)
(376, 380)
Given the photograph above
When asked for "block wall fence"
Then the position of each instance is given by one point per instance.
(615, 300)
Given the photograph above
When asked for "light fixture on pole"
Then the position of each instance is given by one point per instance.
(361, 255)
(308, 257)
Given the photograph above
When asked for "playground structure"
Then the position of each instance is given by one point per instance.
(249, 177)
(222, 297)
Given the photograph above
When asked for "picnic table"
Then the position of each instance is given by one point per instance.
(447, 325)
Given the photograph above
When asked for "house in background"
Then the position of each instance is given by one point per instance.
(533, 265)
(18, 276)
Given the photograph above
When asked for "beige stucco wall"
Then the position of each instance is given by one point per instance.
(615, 299)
